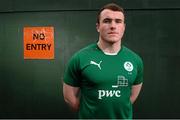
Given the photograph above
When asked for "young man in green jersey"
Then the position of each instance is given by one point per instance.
(104, 79)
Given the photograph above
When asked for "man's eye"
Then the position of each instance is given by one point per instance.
(107, 21)
(118, 21)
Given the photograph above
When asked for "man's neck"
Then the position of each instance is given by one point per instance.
(109, 47)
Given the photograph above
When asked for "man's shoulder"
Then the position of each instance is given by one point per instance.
(84, 51)
(126, 49)
(131, 52)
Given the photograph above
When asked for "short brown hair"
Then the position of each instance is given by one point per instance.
(110, 6)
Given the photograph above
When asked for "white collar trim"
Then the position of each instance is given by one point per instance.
(111, 53)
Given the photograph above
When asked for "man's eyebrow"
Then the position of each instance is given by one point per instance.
(107, 18)
(119, 19)
(112, 19)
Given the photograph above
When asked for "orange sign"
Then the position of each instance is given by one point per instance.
(38, 43)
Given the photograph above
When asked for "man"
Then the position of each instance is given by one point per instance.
(104, 79)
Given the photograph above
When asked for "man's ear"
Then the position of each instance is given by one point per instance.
(97, 27)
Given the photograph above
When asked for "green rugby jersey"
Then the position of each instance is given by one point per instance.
(105, 81)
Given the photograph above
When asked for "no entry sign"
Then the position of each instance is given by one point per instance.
(38, 43)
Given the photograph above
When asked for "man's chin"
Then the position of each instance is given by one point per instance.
(113, 41)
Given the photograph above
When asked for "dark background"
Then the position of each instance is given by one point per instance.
(33, 88)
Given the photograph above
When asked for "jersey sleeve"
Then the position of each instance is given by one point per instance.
(72, 72)
(140, 67)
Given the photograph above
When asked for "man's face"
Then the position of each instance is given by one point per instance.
(111, 26)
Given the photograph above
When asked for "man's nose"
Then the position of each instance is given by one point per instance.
(113, 25)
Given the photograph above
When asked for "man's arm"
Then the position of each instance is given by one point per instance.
(135, 92)
(71, 96)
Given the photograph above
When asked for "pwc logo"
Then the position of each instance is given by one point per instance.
(108, 93)
(121, 82)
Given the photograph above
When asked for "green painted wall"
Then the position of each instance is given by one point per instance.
(33, 88)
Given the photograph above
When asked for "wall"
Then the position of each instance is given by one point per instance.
(33, 88)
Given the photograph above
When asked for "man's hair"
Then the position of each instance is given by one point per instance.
(110, 6)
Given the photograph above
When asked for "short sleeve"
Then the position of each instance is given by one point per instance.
(72, 72)
(140, 67)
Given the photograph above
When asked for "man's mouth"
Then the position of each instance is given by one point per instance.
(112, 33)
